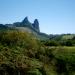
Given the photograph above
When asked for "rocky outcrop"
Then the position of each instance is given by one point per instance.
(25, 23)
(36, 25)
(26, 26)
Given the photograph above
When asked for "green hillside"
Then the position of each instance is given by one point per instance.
(22, 54)
(62, 37)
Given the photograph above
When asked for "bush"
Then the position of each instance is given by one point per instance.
(51, 43)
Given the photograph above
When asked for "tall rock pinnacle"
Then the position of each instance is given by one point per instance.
(25, 20)
(36, 25)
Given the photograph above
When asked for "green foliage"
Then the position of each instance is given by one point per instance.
(67, 43)
(51, 43)
(34, 72)
(22, 54)
(65, 61)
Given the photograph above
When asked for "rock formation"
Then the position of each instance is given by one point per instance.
(36, 25)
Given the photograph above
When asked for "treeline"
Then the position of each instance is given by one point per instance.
(68, 42)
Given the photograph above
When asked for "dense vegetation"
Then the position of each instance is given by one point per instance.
(61, 40)
(22, 54)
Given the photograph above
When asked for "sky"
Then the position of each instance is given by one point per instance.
(55, 16)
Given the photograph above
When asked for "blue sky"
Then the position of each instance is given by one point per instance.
(55, 16)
